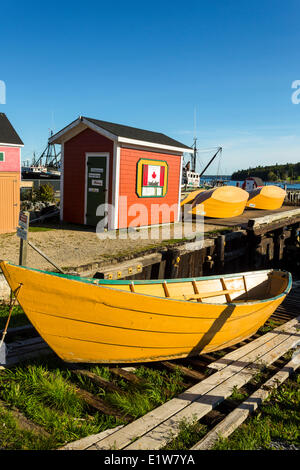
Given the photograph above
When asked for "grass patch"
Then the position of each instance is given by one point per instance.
(14, 438)
(45, 393)
(189, 434)
(40, 229)
(237, 395)
(46, 396)
(157, 388)
(18, 317)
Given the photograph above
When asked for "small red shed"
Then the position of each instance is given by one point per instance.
(252, 182)
(118, 175)
(10, 175)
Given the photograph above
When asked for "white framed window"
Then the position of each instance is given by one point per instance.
(2, 157)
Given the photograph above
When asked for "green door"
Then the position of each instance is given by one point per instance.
(95, 187)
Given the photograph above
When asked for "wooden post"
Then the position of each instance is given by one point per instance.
(22, 232)
(173, 261)
(279, 245)
(23, 252)
(221, 252)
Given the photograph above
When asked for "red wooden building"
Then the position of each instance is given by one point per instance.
(136, 172)
(252, 182)
(10, 175)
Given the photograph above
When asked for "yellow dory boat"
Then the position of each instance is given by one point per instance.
(269, 197)
(220, 202)
(191, 196)
(101, 321)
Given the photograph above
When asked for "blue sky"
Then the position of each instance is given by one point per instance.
(156, 65)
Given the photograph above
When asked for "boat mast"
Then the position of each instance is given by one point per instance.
(194, 156)
(49, 157)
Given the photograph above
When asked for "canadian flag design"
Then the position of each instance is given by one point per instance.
(153, 175)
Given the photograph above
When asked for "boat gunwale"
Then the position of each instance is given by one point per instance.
(107, 282)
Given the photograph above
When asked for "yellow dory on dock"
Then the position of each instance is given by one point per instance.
(268, 197)
(102, 321)
(191, 196)
(220, 202)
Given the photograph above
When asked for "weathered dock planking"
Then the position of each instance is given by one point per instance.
(242, 411)
(152, 431)
(86, 442)
(253, 345)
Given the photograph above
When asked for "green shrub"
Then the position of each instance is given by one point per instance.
(45, 193)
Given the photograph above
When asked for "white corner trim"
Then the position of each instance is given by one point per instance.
(62, 154)
(115, 189)
(179, 192)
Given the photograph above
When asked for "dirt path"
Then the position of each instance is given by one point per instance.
(71, 247)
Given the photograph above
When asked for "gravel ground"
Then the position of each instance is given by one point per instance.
(71, 246)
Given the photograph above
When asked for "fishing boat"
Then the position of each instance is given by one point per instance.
(268, 197)
(220, 202)
(104, 321)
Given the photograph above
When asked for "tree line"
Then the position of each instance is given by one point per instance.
(285, 172)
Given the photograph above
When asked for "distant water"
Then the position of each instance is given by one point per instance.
(233, 183)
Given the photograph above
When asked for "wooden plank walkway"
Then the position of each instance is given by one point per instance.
(241, 413)
(152, 431)
(86, 442)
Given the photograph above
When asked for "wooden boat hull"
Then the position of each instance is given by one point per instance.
(191, 196)
(221, 202)
(269, 197)
(99, 321)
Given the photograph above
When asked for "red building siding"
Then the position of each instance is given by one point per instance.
(74, 171)
(127, 187)
(12, 160)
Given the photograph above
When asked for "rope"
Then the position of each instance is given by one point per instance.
(12, 304)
